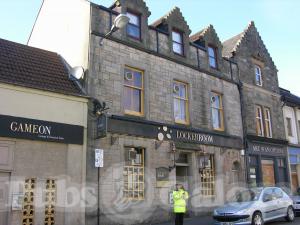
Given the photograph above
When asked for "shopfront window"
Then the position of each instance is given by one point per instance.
(133, 175)
(207, 176)
(281, 169)
(253, 171)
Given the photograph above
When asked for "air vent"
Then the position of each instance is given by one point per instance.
(128, 76)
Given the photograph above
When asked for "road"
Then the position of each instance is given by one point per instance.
(208, 221)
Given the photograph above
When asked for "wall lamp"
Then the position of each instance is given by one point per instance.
(120, 21)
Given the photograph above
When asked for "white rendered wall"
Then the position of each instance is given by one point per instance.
(289, 112)
(62, 26)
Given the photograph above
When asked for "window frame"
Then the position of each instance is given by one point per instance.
(131, 112)
(215, 58)
(208, 179)
(186, 100)
(260, 119)
(220, 108)
(260, 75)
(174, 30)
(268, 119)
(138, 15)
(133, 167)
(289, 126)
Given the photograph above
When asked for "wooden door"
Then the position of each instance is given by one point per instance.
(295, 182)
(4, 192)
(268, 172)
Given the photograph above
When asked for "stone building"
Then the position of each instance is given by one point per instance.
(43, 129)
(265, 142)
(291, 114)
(174, 109)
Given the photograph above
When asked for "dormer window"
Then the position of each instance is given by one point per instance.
(177, 42)
(134, 26)
(212, 57)
(258, 76)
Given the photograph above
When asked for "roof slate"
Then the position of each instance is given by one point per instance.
(35, 68)
(287, 96)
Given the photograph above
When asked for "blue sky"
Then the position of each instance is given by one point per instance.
(276, 20)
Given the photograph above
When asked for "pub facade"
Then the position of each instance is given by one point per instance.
(264, 135)
(174, 116)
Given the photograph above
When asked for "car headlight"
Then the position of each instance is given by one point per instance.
(216, 212)
(243, 212)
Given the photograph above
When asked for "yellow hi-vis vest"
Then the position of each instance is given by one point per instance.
(179, 199)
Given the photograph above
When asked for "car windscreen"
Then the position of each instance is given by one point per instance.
(246, 195)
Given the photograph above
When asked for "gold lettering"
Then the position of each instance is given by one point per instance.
(48, 129)
(28, 128)
(13, 126)
(20, 128)
(35, 127)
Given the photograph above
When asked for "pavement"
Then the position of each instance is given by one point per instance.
(207, 220)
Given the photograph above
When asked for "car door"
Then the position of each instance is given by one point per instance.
(269, 207)
(280, 202)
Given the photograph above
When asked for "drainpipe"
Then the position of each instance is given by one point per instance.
(240, 87)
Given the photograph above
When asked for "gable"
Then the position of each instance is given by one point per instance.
(207, 36)
(173, 19)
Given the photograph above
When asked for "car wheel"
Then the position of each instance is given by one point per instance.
(290, 214)
(257, 219)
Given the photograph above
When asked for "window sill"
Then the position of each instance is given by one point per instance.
(178, 54)
(182, 122)
(133, 113)
(134, 38)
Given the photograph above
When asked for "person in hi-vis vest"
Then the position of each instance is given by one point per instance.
(180, 197)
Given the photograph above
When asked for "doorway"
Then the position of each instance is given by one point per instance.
(4, 193)
(268, 172)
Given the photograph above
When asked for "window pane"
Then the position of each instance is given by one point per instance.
(179, 109)
(138, 80)
(212, 62)
(182, 90)
(132, 99)
(211, 52)
(289, 126)
(177, 48)
(127, 98)
(136, 104)
(182, 110)
(133, 31)
(216, 101)
(133, 19)
(216, 118)
(176, 37)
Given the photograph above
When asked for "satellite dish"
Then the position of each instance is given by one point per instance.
(77, 72)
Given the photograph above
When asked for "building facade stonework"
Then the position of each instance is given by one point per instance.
(265, 140)
(191, 143)
(182, 109)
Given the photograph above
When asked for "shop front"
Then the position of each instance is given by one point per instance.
(152, 157)
(267, 163)
(294, 156)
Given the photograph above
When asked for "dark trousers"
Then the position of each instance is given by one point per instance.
(179, 218)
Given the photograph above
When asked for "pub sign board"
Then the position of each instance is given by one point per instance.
(24, 128)
(165, 132)
(266, 149)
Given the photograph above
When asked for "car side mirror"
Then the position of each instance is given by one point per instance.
(267, 198)
(298, 191)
